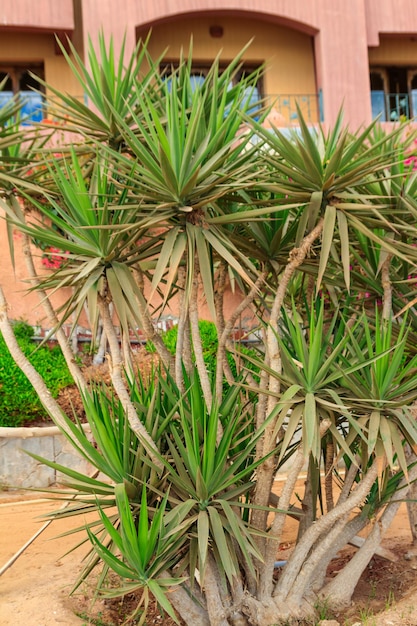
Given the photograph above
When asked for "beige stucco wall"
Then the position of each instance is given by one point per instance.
(38, 48)
(51, 15)
(394, 51)
(288, 55)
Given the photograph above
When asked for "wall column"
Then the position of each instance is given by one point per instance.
(342, 62)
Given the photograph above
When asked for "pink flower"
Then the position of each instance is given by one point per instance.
(53, 258)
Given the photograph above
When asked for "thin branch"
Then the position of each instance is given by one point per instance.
(219, 297)
(148, 327)
(228, 328)
(273, 357)
(119, 384)
(387, 287)
(197, 345)
(181, 331)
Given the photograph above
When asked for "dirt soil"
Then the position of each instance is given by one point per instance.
(34, 591)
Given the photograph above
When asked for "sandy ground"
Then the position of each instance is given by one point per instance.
(34, 590)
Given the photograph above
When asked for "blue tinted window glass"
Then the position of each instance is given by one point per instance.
(32, 110)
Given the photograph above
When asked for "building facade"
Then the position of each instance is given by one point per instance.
(322, 54)
(318, 54)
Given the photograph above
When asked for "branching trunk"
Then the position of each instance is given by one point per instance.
(328, 475)
(412, 495)
(228, 328)
(215, 608)
(101, 350)
(266, 471)
(348, 532)
(349, 481)
(183, 330)
(309, 500)
(198, 348)
(148, 327)
(266, 579)
(190, 611)
(341, 588)
(219, 297)
(127, 356)
(323, 525)
(387, 287)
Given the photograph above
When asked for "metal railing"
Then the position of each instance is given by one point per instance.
(310, 105)
(288, 105)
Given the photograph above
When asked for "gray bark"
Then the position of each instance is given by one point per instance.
(266, 470)
(323, 525)
(215, 607)
(191, 612)
(341, 588)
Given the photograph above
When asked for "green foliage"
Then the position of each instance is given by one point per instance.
(22, 330)
(208, 334)
(209, 340)
(165, 197)
(19, 402)
(169, 518)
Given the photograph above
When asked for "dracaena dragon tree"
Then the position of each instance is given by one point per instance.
(169, 195)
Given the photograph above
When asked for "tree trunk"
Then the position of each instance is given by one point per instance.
(266, 471)
(341, 588)
(215, 608)
(323, 525)
(412, 495)
(191, 612)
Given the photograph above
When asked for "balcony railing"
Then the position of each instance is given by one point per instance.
(393, 107)
(309, 105)
(286, 104)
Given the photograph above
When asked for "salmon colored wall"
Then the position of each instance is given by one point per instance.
(23, 305)
(308, 44)
(390, 16)
(52, 15)
(13, 280)
(338, 28)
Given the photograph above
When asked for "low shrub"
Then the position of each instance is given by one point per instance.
(19, 402)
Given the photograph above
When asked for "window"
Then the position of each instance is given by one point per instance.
(20, 81)
(393, 93)
(200, 71)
